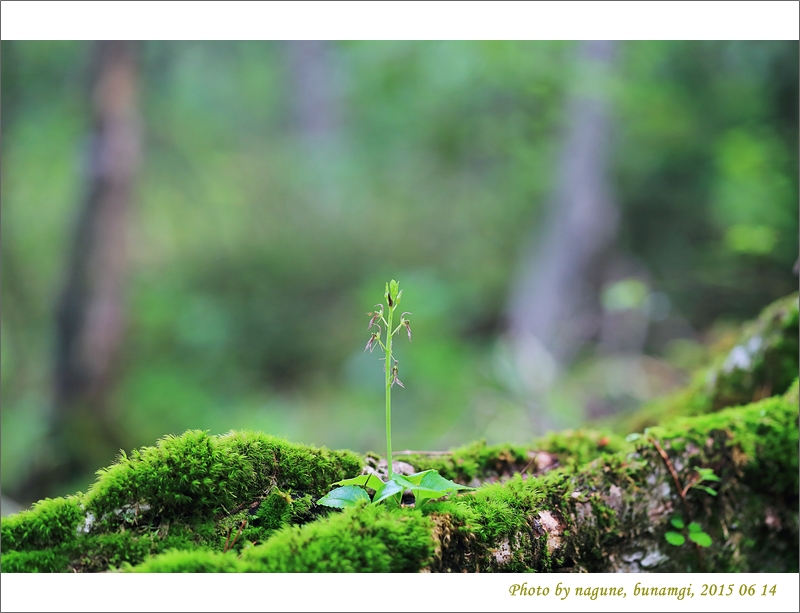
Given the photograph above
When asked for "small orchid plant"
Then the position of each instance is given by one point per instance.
(425, 485)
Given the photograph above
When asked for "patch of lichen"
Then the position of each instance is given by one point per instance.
(194, 491)
(761, 362)
(362, 539)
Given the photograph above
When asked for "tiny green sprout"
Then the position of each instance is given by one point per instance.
(705, 474)
(693, 531)
(426, 485)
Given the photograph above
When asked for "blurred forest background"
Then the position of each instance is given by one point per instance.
(193, 233)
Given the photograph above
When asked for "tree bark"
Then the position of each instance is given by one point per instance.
(553, 308)
(317, 120)
(90, 311)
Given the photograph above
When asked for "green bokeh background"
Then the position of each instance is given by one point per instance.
(255, 256)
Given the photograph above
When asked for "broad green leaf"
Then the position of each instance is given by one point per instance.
(343, 497)
(633, 436)
(706, 489)
(433, 485)
(434, 481)
(701, 538)
(423, 495)
(371, 481)
(417, 477)
(677, 522)
(675, 538)
(695, 527)
(388, 489)
(402, 481)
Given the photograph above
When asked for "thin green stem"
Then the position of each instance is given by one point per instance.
(388, 367)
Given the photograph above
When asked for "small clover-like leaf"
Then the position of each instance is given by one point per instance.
(674, 538)
(701, 538)
(343, 497)
(707, 474)
(695, 527)
(677, 522)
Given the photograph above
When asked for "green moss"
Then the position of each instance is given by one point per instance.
(195, 561)
(194, 491)
(761, 362)
(364, 539)
(196, 474)
(245, 501)
(48, 523)
(575, 448)
(471, 462)
(44, 561)
(754, 448)
(766, 433)
(764, 361)
(479, 462)
(361, 539)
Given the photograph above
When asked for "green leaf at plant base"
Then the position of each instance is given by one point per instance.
(431, 479)
(706, 489)
(402, 480)
(387, 490)
(429, 484)
(372, 481)
(695, 527)
(677, 522)
(343, 497)
(675, 538)
(701, 538)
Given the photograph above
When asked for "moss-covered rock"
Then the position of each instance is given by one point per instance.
(764, 360)
(188, 492)
(586, 500)
(761, 362)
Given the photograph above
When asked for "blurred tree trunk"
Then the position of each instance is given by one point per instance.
(84, 432)
(317, 121)
(554, 307)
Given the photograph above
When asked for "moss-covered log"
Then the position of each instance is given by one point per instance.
(572, 502)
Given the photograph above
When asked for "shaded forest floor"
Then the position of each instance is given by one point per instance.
(702, 480)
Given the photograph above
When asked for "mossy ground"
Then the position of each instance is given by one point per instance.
(191, 492)
(577, 501)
